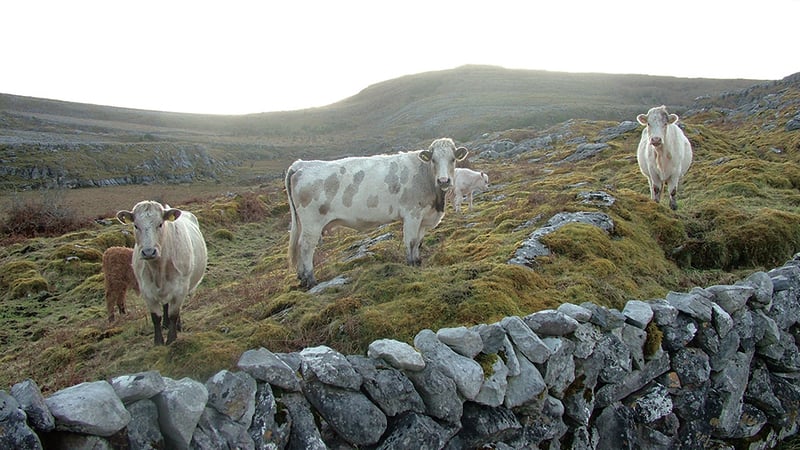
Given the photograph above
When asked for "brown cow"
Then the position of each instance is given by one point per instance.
(119, 277)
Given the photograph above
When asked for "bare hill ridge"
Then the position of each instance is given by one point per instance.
(463, 103)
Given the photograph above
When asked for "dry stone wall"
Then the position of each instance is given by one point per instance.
(715, 367)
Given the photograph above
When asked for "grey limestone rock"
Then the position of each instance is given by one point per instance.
(32, 401)
(525, 340)
(180, 406)
(138, 386)
(144, 432)
(263, 365)
(526, 386)
(463, 341)
(14, 431)
(387, 387)
(89, 408)
(233, 394)
(415, 431)
(354, 417)
(638, 313)
(550, 323)
(399, 354)
(493, 389)
(304, 434)
(466, 373)
(330, 367)
(578, 313)
(439, 392)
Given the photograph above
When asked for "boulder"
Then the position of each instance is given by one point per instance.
(89, 408)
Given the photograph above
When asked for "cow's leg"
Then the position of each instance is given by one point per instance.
(158, 338)
(655, 191)
(470, 200)
(305, 265)
(165, 315)
(673, 192)
(412, 237)
(110, 306)
(121, 302)
(457, 202)
(168, 316)
(174, 324)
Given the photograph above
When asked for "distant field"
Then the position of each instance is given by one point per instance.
(105, 202)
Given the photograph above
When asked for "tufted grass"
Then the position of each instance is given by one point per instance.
(739, 207)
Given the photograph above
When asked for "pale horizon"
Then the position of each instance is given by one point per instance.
(245, 57)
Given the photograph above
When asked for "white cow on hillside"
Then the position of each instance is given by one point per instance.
(467, 183)
(664, 154)
(169, 261)
(364, 192)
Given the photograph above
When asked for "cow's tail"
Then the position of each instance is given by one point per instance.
(294, 231)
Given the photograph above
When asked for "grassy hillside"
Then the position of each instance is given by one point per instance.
(739, 211)
(76, 142)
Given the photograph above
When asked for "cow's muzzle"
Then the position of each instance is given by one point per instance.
(656, 141)
(444, 183)
(149, 253)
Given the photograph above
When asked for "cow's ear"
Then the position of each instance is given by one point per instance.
(642, 119)
(673, 118)
(461, 153)
(171, 214)
(125, 217)
(426, 155)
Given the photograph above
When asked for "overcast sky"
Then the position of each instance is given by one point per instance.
(238, 57)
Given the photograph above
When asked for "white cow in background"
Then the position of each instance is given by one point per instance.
(664, 154)
(467, 183)
(364, 192)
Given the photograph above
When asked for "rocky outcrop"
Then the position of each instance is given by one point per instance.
(143, 163)
(715, 367)
(532, 247)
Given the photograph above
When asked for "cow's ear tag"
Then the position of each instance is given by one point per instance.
(172, 214)
(426, 155)
(125, 217)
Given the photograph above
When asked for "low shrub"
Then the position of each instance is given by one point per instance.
(43, 217)
(251, 208)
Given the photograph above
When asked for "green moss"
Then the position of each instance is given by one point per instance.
(769, 238)
(28, 285)
(12, 270)
(738, 188)
(729, 237)
(56, 358)
(189, 355)
(487, 363)
(21, 278)
(581, 241)
(121, 236)
(91, 290)
(222, 233)
(653, 342)
(83, 253)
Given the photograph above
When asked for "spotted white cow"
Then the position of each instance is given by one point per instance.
(364, 192)
(664, 153)
(467, 183)
(169, 261)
